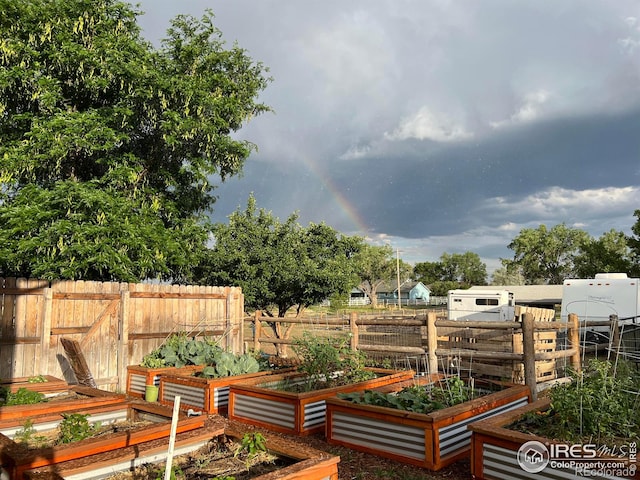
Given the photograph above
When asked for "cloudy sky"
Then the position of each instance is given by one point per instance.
(438, 125)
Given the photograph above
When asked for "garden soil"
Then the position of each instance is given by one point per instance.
(356, 465)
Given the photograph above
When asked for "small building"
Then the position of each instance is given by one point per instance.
(411, 293)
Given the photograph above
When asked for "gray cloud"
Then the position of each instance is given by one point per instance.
(438, 126)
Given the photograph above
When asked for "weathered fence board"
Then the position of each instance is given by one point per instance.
(116, 324)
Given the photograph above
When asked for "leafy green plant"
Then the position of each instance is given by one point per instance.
(22, 396)
(228, 364)
(252, 444)
(330, 361)
(417, 398)
(180, 350)
(37, 379)
(175, 473)
(75, 427)
(600, 404)
(28, 435)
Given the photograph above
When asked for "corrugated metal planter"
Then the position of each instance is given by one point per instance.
(494, 450)
(256, 402)
(432, 440)
(70, 399)
(307, 463)
(209, 395)
(138, 377)
(49, 385)
(15, 458)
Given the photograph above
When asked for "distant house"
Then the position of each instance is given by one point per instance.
(411, 293)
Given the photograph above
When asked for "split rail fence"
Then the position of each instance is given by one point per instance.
(116, 324)
(525, 350)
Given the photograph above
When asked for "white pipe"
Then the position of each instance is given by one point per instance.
(172, 437)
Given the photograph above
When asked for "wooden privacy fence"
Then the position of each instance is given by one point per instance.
(525, 345)
(116, 324)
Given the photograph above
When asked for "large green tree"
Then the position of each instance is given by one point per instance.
(279, 264)
(377, 265)
(633, 242)
(428, 272)
(609, 253)
(453, 270)
(466, 268)
(546, 256)
(504, 276)
(109, 147)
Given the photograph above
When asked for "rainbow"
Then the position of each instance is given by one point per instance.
(343, 202)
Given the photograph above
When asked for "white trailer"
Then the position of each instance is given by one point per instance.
(596, 299)
(476, 304)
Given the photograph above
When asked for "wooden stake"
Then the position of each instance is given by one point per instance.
(172, 437)
(432, 342)
(573, 335)
(529, 350)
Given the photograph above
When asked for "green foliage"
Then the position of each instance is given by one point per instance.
(180, 350)
(441, 288)
(28, 435)
(416, 398)
(37, 379)
(374, 266)
(456, 270)
(609, 253)
(88, 230)
(109, 147)
(279, 264)
(329, 361)
(75, 427)
(176, 472)
(545, 255)
(22, 396)
(600, 405)
(634, 245)
(228, 364)
(252, 444)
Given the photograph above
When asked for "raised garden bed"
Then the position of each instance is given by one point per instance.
(293, 460)
(498, 452)
(16, 457)
(208, 395)
(46, 384)
(429, 440)
(70, 399)
(588, 427)
(258, 401)
(138, 377)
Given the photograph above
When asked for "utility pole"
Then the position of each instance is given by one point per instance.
(398, 277)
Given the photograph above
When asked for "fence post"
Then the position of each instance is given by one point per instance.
(614, 336)
(353, 325)
(529, 349)
(573, 335)
(257, 330)
(123, 336)
(45, 336)
(432, 342)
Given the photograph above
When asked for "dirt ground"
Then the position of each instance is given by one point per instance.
(356, 465)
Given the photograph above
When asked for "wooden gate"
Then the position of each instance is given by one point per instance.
(116, 324)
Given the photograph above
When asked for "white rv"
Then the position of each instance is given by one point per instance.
(489, 305)
(598, 298)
